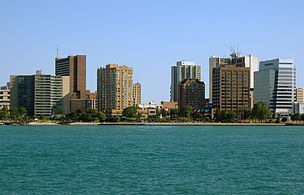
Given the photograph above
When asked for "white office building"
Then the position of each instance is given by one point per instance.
(185, 69)
(275, 84)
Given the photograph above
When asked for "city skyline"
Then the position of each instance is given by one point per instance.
(152, 43)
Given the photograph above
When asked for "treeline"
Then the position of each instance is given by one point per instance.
(260, 112)
(14, 114)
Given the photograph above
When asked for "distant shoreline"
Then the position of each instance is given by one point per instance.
(151, 124)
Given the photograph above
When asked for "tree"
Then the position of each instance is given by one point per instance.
(284, 119)
(164, 113)
(130, 112)
(116, 118)
(261, 111)
(197, 116)
(101, 117)
(186, 111)
(296, 117)
(90, 115)
(173, 113)
(4, 113)
(230, 116)
(247, 114)
(13, 113)
(22, 112)
(302, 117)
(217, 115)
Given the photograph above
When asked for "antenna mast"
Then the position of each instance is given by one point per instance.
(57, 51)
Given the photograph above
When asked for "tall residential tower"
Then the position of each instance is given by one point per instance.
(114, 88)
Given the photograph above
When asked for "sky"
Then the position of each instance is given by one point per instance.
(148, 35)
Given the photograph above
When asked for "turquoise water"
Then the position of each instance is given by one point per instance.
(151, 160)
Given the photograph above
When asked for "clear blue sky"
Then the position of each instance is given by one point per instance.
(149, 36)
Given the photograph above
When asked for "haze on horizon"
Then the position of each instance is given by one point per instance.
(149, 36)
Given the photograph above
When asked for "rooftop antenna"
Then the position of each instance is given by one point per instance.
(57, 51)
(232, 50)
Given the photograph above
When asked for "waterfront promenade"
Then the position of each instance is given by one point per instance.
(150, 124)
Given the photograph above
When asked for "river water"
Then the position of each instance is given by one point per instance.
(151, 160)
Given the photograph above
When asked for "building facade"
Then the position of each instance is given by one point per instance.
(169, 105)
(231, 88)
(75, 68)
(5, 96)
(236, 59)
(91, 101)
(40, 94)
(191, 92)
(183, 70)
(275, 84)
(114, 88)
(136, 94)
(299, 95)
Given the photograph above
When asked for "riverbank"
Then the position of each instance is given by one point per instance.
(50, 123)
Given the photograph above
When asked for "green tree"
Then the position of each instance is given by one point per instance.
(173, 113)
(296, 117)
(101, 117)
(230, 116)
(164, 113)
(116, 118)
(247, 114)
(186, 111)
(302, 117)
(130, 112)
(22, 112)
(284, 119)
(218, 115)
(4, 113)
(261, 111)
(14, 113)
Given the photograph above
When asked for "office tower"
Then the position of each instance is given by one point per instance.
(191, 92)
(231, 88)
(5, 96)
(114, 88)
(299, 95)
(40, 94)
(275, 84)
(234, 59)
(75, 67)
(136, 94)
(183, 70)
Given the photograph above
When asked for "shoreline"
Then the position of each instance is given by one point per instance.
(149, 124)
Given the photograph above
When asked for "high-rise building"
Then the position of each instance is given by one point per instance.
(235, 59)
(230, 87)
(191, 92)
(183, 70)
(75, 67)
(40, 94)
(114, 88)
(299, 95)
(275, 84)
(136, 94)
(5, 96)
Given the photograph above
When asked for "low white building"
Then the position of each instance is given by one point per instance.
(151, 105)
(152, 108)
